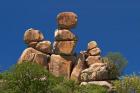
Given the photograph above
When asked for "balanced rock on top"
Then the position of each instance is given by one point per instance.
(32, 35)
(66, 20)
(92, 45)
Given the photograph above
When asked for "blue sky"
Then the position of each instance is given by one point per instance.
(114, 24)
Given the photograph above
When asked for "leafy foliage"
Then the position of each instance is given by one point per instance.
(112, 69)
(29, 77)
(129, 84)
(69, 86)
(117, 59)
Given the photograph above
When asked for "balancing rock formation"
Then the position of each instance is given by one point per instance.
(60, 58)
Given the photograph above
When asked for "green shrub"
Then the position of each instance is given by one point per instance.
(29, 77)
(129, 84)
(118, 60)
(69, 86)
(112, 69)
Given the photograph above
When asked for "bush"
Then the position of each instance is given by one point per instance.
(69, 86)
(129, 84)
(29, 77)
(112, 69)
(118, 59)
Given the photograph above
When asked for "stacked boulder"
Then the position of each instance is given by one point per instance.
(93, 53)
(97, 70)
(85, 61)
(38, 50)
(62, 60)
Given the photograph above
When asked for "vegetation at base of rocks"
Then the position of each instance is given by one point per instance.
(29, 77)
(118, 60)
(113, 72)
(128, 84)
(69, 86)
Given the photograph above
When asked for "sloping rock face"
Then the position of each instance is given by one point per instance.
(32, 55)
(79, 67)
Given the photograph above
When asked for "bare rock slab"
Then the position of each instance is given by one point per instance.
(64, 47)
(64, 35)
(33, 35)
(61, 65)
(79, 67)
(99, 83)
(66, 20)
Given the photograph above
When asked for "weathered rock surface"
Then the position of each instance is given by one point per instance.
(94, 52)
(97, 71)
(66, 20)
(79, 67)
(93, 59)
(92, 45)
(33, 55)
(64, 47)
(45, 47)
(32, 44)
(61, 65)
(64, 35)
(32, 35)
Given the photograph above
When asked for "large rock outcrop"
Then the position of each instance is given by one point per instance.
(61, 59)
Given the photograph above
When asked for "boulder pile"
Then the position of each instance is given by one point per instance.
(60, 58)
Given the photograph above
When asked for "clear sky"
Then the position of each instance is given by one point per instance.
(114, 24)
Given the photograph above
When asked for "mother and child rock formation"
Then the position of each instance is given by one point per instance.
(60, 58)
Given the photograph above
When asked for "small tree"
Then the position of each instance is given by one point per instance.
(117, 59)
